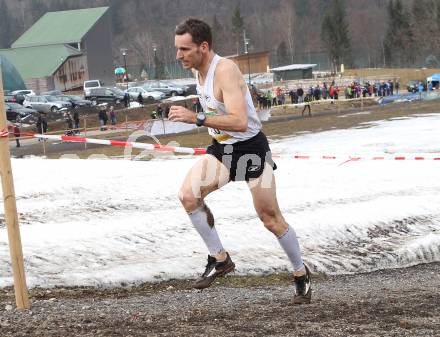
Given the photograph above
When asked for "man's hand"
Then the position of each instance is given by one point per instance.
(180, 114)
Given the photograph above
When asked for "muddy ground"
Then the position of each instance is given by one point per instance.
(401, 302)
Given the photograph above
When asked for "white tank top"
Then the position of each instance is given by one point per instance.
(213, 107)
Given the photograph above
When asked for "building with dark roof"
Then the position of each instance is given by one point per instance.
(63, 49)
(293, 72)
(49, 67)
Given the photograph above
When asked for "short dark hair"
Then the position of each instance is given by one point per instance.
(198, 29)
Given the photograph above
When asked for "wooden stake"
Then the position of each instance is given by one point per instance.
(43, 141)
(11, 217)
(85, 132)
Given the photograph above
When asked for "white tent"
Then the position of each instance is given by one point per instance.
(433, 78)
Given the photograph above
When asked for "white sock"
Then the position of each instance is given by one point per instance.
(203, 221)
(290, 244)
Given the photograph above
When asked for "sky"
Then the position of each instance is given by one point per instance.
(99, 222)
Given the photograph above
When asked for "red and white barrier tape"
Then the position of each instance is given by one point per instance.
(4, 133)
(135, 145)
(198, 151)
(357, 158)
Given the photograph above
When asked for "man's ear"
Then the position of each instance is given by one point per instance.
(205, 46)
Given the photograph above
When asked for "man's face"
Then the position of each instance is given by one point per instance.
(188, 52)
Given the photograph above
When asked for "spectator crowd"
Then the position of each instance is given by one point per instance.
(273, 97)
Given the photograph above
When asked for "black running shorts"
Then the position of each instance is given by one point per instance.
(244, 160)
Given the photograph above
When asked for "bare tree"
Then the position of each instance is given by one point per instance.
(142, 46)
(287, 19)
(137, 24)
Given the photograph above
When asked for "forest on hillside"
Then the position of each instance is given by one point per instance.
(358, 33)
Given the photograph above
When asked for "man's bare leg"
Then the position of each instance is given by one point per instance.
(263, 192)
(206, 176)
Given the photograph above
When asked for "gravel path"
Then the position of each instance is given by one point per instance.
(401, 302)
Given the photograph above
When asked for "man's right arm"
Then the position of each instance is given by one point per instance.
(233, 90)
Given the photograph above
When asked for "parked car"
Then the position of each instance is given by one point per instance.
(413, 86)
(45, 103)
(74, 100)
(23, 92)
(167, 89)
(103, 94)
(91, 84)
(14, 98)
(17, 113)
(10, 98)
(18, 96)
(185, 88)
(52, 93)
(146, 95)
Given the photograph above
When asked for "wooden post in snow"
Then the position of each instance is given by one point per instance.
(85, 132)
(11, 217)
(43, 141)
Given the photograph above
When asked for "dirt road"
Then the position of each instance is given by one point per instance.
(403, 302)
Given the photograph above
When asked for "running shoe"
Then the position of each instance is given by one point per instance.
(213, 270)
(303, 288)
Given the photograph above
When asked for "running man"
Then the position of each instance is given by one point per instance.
(239, 152)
